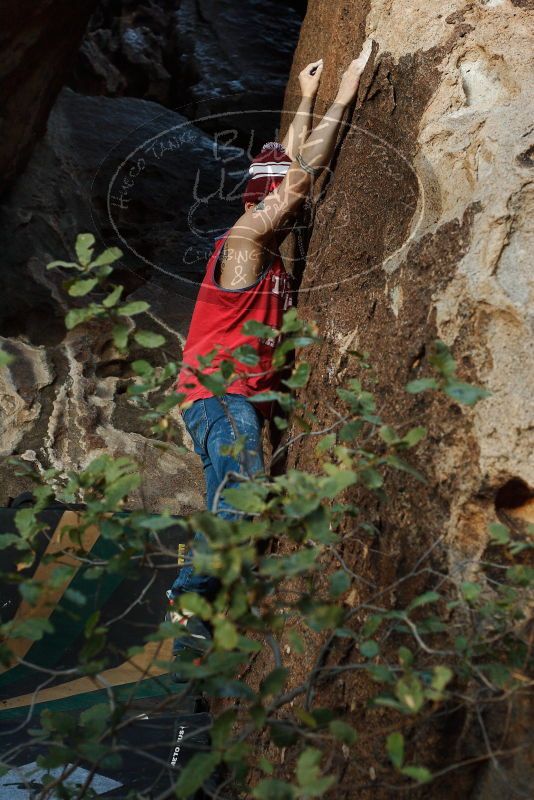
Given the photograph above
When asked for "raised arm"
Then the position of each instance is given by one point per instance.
(300, 126)
(245, 245)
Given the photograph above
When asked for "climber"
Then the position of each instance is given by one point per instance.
(245, 280)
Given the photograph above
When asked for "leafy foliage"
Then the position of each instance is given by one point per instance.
(453, 643)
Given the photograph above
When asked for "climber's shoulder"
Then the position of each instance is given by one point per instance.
(241, 260)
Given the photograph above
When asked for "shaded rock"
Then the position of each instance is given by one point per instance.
(138, 173)
(144, 178)
(127, 49)
(57, 410)
(193, 56)
(63, 398)
(38, 42)
(258, 41)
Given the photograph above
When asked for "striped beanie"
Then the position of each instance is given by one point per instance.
(266, 172)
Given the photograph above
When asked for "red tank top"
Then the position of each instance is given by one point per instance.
(217, 322)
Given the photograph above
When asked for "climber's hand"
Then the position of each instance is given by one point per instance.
(310, 77)
(351, 77)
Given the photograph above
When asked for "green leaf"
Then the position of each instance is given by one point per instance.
(84, 248)
(499, 533)
(222, 728)
(442, 676)
(410, 693)
(225, 634)
(470, 591)
(95, 719)
(372, 624)
(282, 734)
(120, 336)
(414, 436)
(76, 316)
(65, 264)
(269, 789)
(246, 354)
(30, 592)
(342, 732)
(323, 616)
(380, 673)
(419, 774)
(307, 765)
(107, 257)
(305, 717)
(142, 367)
(214, 382)
(298, 562)
(8, 539)
(351, 430)
(442, 360)
(121, 488)
(421, 385)
(388, 435)
(254, 328)
(325, 443)
(197, 604)
(369, 649)
(339, 583)
(5, 358)
(499, 674)
(195, 772)
(291, 323)
(113, 297)
(149, 339)
(249, 497)
(423, 599)
(465, 393)
(400, 464)
(75, 597)
(405, 656)
(371, 478)
(135, 307)
(33, 629)
(299, 377)
(395, 748)
(274, 682)
(337, 481)
(265, 766)
(296, 641)
(82, 287)
(309, 774)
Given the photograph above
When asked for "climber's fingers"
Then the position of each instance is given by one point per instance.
(310, 76)
(313, 68)
(357, 65)
(350, 79)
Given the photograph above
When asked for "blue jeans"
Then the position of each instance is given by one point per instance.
(212, 423)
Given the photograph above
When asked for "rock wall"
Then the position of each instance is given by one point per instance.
(432, 227)
(63, 401)
(426, 231)
(38, 42)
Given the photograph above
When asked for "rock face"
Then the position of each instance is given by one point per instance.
(61, 383)
(198, 56)
(425, 232)
(139, 175)
(38, 42)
